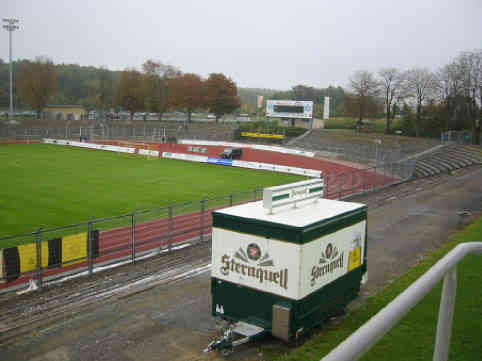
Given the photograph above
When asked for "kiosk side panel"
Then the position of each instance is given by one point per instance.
(327, 301)
(238, 303)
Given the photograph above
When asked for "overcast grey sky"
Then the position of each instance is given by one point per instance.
(262, 43)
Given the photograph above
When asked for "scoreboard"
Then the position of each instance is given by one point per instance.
(289, 109)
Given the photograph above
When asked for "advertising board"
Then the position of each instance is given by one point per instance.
(289, 109)
(330, 257)
(260, 263)
(221, 161)
(262, 135)
(72, 143)
(188, 157)
(153, 153)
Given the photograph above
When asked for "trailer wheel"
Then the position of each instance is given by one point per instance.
(227, 351)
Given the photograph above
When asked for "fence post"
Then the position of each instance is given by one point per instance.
(340, 185)
(90, 260)
(445, 316)
(353, 181)
(327, 187)
(203, 205)
(38, 239)
(133, 236)
(231, 199)
(169, 228)
(374, 177)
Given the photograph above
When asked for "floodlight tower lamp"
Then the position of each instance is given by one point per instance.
(10, 27)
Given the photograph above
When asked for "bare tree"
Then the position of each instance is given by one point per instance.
(470, 68)
(449, 90)
(460, 92)
(421, 84)
(392, 85)
(364, 87)
(37, 82)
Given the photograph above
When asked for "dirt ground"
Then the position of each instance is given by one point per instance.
(172, 321)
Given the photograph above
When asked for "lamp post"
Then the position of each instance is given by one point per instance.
(10, 27)
(377, 143)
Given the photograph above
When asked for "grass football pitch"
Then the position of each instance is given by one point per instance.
(50, 185)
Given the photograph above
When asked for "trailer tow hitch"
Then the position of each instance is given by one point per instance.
(234, 336)
(224, 344)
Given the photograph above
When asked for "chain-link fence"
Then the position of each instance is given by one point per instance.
(83, 248)
(140, 131)
(456, 136)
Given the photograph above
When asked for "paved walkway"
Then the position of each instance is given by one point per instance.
(173, 322)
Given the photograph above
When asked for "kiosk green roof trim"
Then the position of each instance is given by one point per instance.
(298, 225)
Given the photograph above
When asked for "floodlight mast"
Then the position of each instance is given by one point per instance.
(10, 27)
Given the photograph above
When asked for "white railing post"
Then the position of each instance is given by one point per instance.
(445, 316)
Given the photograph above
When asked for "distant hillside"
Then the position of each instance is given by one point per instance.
(249, 95)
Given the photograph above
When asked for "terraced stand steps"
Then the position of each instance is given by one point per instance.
(448, 158)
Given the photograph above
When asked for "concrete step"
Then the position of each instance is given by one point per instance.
(420, 173)
(466, 155)
(437, 165)
(428, 167)
(472, 151)
(442, 161)
(458, 159)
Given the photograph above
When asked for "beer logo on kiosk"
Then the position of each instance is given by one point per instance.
(330, 260)
(252, 263)
(329, 254)
(254, 252)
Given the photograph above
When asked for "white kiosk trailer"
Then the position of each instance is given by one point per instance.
(285, 264)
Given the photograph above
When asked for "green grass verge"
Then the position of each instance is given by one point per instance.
(52, 185)
(376, 125)
(413, 338)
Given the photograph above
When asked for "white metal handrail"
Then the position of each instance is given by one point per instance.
(367, 335)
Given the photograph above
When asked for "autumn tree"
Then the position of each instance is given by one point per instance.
(421, 84)
(221, 95)
(186, 91)
(105, 94)
(391, 83)
(364, 87)
(130, 91)
(157, 79)
(37, 82)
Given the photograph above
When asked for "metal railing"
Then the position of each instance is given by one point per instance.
(355, 346)
(121, 238)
